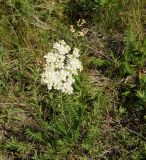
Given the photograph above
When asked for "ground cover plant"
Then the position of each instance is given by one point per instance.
(98, 108)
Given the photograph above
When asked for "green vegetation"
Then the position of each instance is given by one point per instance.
(105, 117)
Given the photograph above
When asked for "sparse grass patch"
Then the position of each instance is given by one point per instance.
(105, 116)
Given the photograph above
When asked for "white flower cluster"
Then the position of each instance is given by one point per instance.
(82, 32)
(62, 64)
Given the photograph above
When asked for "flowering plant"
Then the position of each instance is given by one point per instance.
(62, 64)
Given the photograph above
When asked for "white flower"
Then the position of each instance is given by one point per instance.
(74, 64)
(72, 29)
(67, 88)
(81, 22)
(50, 57)
(60, 67)
(62, 47)
(76, 52)
(59, 63)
